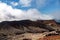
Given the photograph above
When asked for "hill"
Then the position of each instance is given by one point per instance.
(27, 26)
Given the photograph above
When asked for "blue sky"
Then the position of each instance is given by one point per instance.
(27, 8)
(45, 7)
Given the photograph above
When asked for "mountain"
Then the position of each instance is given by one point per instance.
(29, 26)
(10, 28)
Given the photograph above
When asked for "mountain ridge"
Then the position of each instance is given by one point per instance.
(45, 24)
(15, 29)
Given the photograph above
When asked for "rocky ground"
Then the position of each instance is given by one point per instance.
(29, 30)
(31, 36)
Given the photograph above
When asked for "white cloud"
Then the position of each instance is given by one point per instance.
(14, 3)
(38, 3)
(7, 13)
(41, 3)
(34, 14)
(25, 3)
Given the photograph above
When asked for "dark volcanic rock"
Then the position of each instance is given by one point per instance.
(28, 26)
(24, 26)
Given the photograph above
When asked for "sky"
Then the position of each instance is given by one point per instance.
(29, 9)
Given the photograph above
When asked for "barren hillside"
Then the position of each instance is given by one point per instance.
(38, 29)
